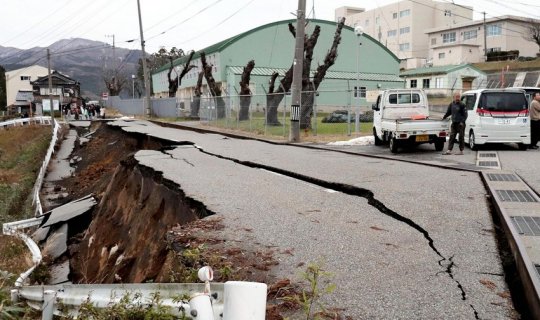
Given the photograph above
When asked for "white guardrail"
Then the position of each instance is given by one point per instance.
(233, 300)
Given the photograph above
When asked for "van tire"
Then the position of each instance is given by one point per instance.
(439, 144)
(472, 144)
(522, 146)
(393, 145)
(378, 141)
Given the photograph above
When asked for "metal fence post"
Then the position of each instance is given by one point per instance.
(315, 113)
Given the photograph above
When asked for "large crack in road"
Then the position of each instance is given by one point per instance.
(359, 192)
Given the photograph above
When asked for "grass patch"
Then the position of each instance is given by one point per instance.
(319, 130)
(22, 150)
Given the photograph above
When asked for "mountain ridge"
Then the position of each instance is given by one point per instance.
(81, 59)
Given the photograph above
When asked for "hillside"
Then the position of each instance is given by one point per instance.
(80, 59)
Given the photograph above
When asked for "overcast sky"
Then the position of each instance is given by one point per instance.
(185, 24)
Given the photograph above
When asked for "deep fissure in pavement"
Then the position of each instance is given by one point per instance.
(360, 192)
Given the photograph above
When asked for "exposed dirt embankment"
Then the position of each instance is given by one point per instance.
(126, 241)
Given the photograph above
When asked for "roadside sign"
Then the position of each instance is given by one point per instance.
(105, 96)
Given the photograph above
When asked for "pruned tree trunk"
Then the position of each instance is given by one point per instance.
(245, 92)
(174, 83)
(273, 99)
(196, 105)
(309, 87)
(215, 90)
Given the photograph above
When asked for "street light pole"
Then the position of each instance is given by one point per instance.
(358, 30)
(146, 76)
(133, 84)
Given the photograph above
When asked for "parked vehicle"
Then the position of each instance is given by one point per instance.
(529, 92)
(401, 118)
(497, 116)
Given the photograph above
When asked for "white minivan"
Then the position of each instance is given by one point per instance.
(497, 116)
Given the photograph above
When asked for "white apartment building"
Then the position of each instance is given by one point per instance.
(464, 42)
(20, 80)
(401, 26)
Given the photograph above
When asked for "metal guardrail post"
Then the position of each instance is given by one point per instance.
(48, 304)
(244, 301)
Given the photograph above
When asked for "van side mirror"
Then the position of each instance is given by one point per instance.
(374, 107)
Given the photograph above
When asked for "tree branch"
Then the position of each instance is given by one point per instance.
(330, 58)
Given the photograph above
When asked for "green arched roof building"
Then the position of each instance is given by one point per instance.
(272, 48)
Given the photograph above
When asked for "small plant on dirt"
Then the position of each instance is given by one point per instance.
(318, 287)
(7, 309)
(40, 275)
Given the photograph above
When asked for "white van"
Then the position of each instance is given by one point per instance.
(497, 116)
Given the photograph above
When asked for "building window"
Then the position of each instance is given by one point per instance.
(494, 29)
(392, 33)
(394, 15)
(441, 55)
(439, 83)
(404, 30)
(447, 13)
(404, 46)
(405, 13)
(425, 83)
(25, 78)
(495, 49)
(471, 34)
(414, 83)
(367, 22)
(449, 37)
(362, 92)
(433, 41)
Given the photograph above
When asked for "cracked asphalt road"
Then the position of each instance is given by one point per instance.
(370, 221)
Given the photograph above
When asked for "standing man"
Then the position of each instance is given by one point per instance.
(535, 120)
(458, 111)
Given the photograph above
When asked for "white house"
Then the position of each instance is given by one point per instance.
(443, 80)
(19, 80)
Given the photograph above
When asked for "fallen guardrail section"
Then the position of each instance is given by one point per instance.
(24, 121)
(232, 300)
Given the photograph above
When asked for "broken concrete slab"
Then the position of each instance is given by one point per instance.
(69, 211)
(59, 273)
(40, 234)
(56, 243)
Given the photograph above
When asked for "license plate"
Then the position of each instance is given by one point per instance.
(422, 138)
(503, 121)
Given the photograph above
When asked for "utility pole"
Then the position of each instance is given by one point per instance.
(113, 52)
(298, 65)
(147, 100)
(485, 38)
(50, 86)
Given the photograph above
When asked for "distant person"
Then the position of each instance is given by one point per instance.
(102, 112)
(535, 120)
(458, 111)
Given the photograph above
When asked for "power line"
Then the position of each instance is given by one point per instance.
(169, 16)
(221, 22)
(185, 20)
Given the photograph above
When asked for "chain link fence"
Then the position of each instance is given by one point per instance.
(266, 114)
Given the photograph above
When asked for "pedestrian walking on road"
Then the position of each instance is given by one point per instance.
(458, 111)
(535, 120)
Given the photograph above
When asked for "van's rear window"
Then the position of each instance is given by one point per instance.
(404, 98)
(503, 101)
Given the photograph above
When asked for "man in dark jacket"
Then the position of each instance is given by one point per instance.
(458, 111)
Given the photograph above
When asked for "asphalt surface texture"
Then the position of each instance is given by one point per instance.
(403, 240)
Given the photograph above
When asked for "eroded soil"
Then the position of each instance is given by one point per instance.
(144, 228)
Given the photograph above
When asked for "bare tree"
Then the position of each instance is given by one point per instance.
(215, 90)
(309, 86)
(175, 82)
(533, 33)
(114, 81)
(245, 91)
